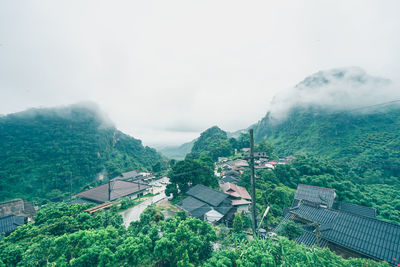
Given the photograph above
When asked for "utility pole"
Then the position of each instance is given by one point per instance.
(70, 185)
(253, 185)
(109, 187)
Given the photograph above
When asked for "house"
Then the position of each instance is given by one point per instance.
(17, 207)
(239, 196)
(119, 189)
(206, 203)
(9, 223)
(229, 179)
(348, 229)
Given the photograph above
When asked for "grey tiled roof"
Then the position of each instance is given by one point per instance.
(315, 214)
(315, 194)
(369, 236)
(10, 223)
(309, 239)
(119, 189)
(206, 194)
(355, 209)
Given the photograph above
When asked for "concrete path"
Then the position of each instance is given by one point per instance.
(133, 214)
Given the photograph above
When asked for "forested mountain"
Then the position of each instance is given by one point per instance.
(214, 142)
(368, 143)
(41, 149)
(177, 152)
(345, 124)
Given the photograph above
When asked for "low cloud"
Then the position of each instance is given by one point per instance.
(335, 90)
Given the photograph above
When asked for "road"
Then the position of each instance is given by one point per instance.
(133, 214)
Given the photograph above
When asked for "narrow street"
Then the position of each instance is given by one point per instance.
(133, 214)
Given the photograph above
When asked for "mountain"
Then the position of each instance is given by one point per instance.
(364, 138)
(177, 152)
(213, 142)
(41, 149)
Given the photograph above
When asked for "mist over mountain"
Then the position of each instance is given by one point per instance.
(334, 90)
(42, 149)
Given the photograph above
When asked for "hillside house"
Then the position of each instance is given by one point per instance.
(348, 229)
(119, 189)
(208, 204)
(239, 196)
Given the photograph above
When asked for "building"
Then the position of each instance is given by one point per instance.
(208, 204)
(9, 223)
(348, 229)
(119, 189)
(239, 196)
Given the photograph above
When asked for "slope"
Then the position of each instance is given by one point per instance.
(42, 149)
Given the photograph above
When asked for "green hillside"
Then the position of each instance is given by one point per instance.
(177, 152)
(367, 141)
(42, 148)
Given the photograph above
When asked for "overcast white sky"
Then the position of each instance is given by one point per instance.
(166, 70)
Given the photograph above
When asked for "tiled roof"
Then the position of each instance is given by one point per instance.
(119, 189)
(229, 179)
(309, 239)
(189, 204)
(369, 236)
(207, 195)
(355, 209)
(315, 214)
(235, 190)
(315, 194)
(10, 223)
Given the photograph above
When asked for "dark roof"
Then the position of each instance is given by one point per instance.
(118, 189)
(190, 204)
(374, 238)
(315, 194)
(366, 235)
(309, 239)
(233, 173)
(10, 223)
(207, 195)
(355, 209)
(315, 214)
(229, 179)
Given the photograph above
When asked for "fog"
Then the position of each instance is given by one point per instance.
(335, 90)
(164, 71)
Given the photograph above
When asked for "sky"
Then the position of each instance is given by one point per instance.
(164, 71)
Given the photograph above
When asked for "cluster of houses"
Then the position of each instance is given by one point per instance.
(217, 206)
(131, 184)
(15, 213)
(261, 161)
(348, 229)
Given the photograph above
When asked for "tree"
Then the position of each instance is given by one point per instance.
(238, 223)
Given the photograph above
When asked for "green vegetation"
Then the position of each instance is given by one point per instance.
(212, 142)
(42, 149)
(191, 172)
(365, 143)
(65, 235)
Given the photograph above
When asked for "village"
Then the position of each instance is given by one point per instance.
(348, 229)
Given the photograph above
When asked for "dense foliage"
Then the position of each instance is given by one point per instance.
(191, 172)
(214, 143)
(67, 236)
(364, 142)
(42, 149)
